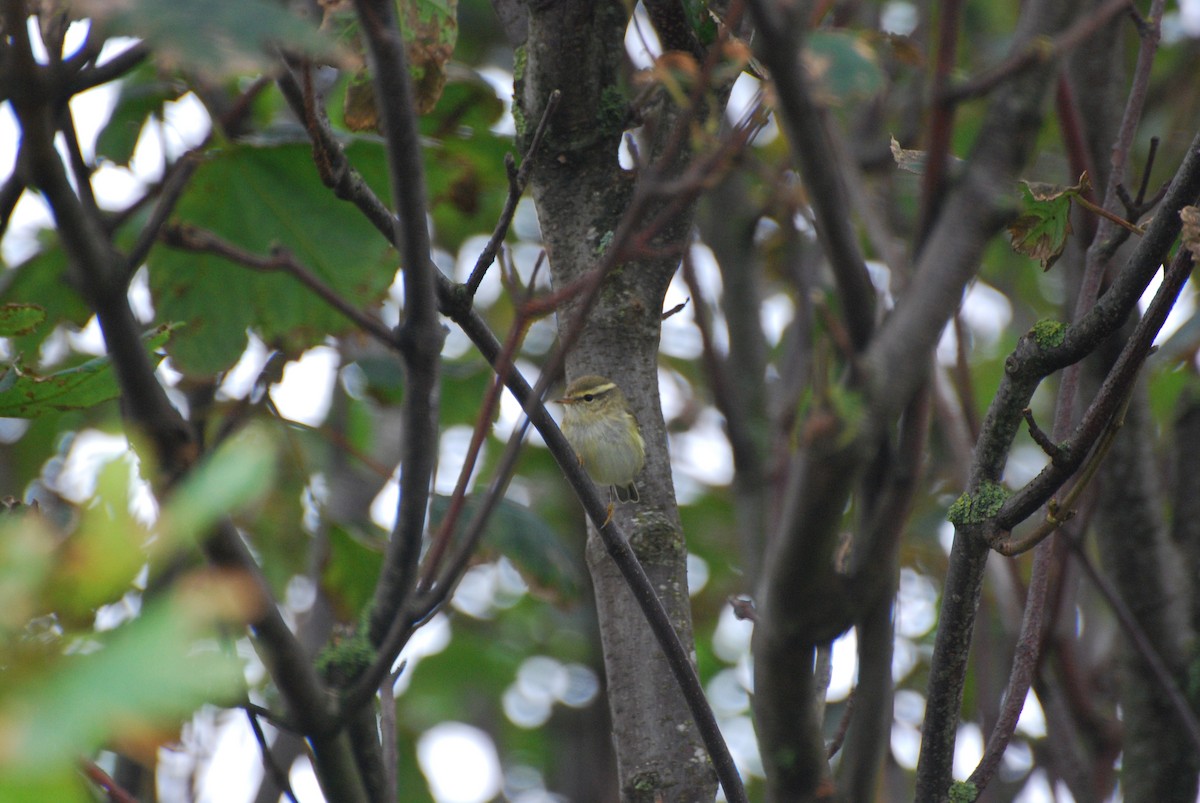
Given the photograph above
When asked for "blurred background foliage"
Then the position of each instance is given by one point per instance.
(98, 651)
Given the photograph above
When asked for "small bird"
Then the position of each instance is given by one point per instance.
(605, 435)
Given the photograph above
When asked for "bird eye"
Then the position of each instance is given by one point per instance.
(588, 397)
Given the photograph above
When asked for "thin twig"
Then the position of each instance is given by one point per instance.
(347, 184)
(1107, 239)
(1041, 438)
(10, 193)
(420, 335)
(278, 775)
(112, 790)
(170, 191)
(1039, 51)
(1115, 219)
(281, 260)
(387, 731)
(1142, 643)
(110, 70)
(839, 736)
(516, 188)
(1109, 399)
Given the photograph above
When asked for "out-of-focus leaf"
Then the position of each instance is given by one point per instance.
(464, 386)
(468, 102)
(1166, 387)
(519, 534)
(384, 378)
(99, 561)
(142, 95)
(1042, 229)
(464, 175)
(26, 560)
(152, 671)
(359, 112)
(350, 573)
(42, 280)
(20, 319)
(1190, 235)
(702, 20)
(62, 786)
(467, 185)
(257, 198)
(218, 37)
(27, 395)
(430, 30)
(909, 160)
(409, 774)
(912, 161)
(905, 50)
(843, 65)
(237, 473)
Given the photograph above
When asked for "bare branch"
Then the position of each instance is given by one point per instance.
(1038, 52)
(420, 335)
(191, 238)
(516, 188)
(804, 122)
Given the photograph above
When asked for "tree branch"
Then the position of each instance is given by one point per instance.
(420, 334)
(804, 122)
(99, 271)
(516, 188)
(340, 176)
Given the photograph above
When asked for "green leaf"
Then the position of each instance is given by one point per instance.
(218, 37)
(20, 319)
(150, 672)
(1042, 229)
(236, 474)
(843, 66)
(42, 280)
(99, 561)
(518, 533)
(26, 395)
(26, 560)
(702, 20)
(62, 786)
(467, 185)
(258, 198)
(350, 572)
(468, 102)
(142, 96)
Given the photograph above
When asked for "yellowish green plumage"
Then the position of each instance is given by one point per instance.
(604, 433)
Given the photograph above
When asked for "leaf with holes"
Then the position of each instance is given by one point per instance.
(20, 319)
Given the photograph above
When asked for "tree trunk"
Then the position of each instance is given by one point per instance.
(582, 194)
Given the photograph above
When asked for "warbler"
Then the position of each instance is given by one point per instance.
(605, 435)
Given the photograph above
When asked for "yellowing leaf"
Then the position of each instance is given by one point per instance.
(430, 31)
(1190, 236)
